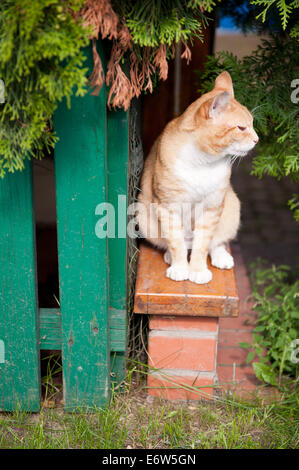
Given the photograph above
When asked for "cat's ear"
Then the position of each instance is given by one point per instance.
(224, 82)
(219, 104)
(210, 108)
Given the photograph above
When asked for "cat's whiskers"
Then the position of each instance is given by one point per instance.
(233, 159)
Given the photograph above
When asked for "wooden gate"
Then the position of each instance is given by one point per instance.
(91, 167)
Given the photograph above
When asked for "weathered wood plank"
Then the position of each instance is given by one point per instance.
(51, 330)
(80, 168)
(19, 361)
(117, 186)
(156, 294)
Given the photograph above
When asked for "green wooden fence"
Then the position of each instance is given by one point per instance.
(90, 327)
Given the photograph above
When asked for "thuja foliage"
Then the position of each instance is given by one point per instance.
(144, 33)
(40, 63)
(266, 83)
(286, 10)
(277, 16)
(275, 337)
(152, 23)
(41, 58)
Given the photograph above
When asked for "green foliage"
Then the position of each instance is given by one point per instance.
(294, 206)
(41, 60)
(249, 15)
(276, 301)
(41, 63)
(286, 8)
(152, 23)
(263, 82)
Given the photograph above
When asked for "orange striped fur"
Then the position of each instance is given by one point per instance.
(186, 199)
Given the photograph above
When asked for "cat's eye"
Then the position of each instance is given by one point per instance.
(242, 128)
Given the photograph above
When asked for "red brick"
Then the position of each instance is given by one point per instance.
(233, 338)
(167, 387)
(230, 355)
(172, 323)
(191, 353)
(242, 377)
(243, 322)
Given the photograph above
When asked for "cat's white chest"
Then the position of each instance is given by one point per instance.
(200, 180)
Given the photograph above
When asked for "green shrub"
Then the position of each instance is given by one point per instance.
(40, 63)
(276, 301)
(264, 82)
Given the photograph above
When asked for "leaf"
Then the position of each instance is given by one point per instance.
(257, 338)
(245, 345)
(250, 357)
(260, 328)
(265, 373)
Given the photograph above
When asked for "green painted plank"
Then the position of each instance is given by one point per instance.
(80, 169)
(118, 330)
(117, 319)
(50, 329)
(118, 369)
(117, 162)
(20, 359)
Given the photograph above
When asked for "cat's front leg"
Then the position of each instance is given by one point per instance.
(202, 235)
(172, 231)
(198, 269)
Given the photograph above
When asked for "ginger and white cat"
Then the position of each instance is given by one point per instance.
(188, 171)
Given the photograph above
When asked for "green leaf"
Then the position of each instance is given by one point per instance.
(264, 373)
(245, 345)
(250, 357)
(259, 328)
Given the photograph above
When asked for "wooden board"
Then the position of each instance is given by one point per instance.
(20, 360)
(117, 189)
(50, 330)
(80, 167)
(156, 294)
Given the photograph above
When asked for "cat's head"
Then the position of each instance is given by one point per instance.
(221, 125)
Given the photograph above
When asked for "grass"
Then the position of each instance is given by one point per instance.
(135, 420)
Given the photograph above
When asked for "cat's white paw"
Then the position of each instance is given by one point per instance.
(177, 273)
(200, 277)
(220, 258)
(167, 257)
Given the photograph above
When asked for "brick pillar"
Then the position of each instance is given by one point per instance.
(183, 326)
(184, 349)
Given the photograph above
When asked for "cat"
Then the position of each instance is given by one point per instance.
(188, 170)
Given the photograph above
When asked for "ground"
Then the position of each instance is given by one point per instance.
(136, 421)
